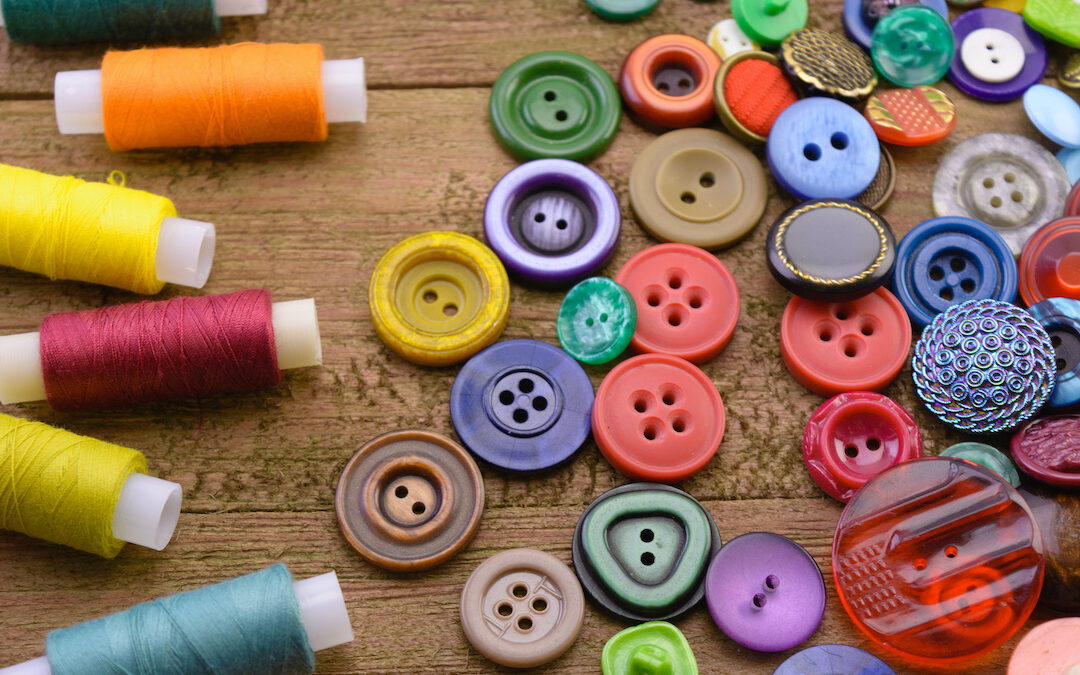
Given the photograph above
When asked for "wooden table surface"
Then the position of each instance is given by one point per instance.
(311, 220)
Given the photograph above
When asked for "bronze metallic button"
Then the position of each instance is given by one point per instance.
(824, 63)
(881, 188)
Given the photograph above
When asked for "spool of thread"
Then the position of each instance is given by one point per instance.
(258, 623)
(102, 233)
(65, 21)
(81, 492)
(153, 351)
(229, 95)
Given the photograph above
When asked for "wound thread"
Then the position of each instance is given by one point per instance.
(152, 351)
(229, 95)
(60, 486)
(245, 626)
(757, 92)
(46, 22)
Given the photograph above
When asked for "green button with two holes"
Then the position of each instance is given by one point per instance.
(596, 320)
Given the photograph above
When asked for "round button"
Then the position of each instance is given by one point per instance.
(1069, 72)
(912, 45)
(751, 92)
(667, 81)
(986, 456)
(881, 188)
(983, 366)
(1051, 647)
(945, 261)
(522, 608)
(1050, 262)
(992, 55)
(409, 500)
(917, 116)
(437, 298)
(687, 301)
(641, 551)
(853, 437)
(830, 250)
(1007, 181)
(552, 221)
(596, 320)
(1070, 161)
(654, 647)
(833, 347)
(938, 560)
(824, 63)
(1000, 55)
(860, 16)
(1057, 513)
(830, 659)
(727, 39)
(1054, 113)
(1056, 19)
(1061, 319)
(522, 405)
(769, 22)
(621, 10)
(1072, 202)
(819, 148)
(1048, 449)
(765, 592)
(555, 104)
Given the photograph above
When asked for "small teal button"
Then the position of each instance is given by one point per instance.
(986, 456)
(1055, 114)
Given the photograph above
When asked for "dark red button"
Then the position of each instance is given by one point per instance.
(1050, 262)
(1048, 449)
(1072, 202)
(667, 81)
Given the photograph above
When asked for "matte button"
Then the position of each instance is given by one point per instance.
(687, 301)
(881, 188)
(986, 456)
(437, 298)
(1000, 56)
(1061, 319)
(1048, 449)
(992, 55)
(912, 45)
(727, 39)
(830, 348)
(555, 104)
(1050, 262)
(824, 63)
(641, 551)
(652, 648)
(1057, 513)
(596, 320)
(911, 117)
(831, 659)
(667, 81)
(409, 500)
(937, 560)
(522, 608)
(1056, 19)
(621, 10)
(860, 16)
(522, 405)
(765, 592)
(1051, 647)
(1054, 113)
(751, 92)
(769, 22)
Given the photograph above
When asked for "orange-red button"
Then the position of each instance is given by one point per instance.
(1050, 262)
(667, 81)
(917, 116)
(751, 91)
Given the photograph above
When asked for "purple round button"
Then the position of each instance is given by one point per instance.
(1034, 54)
(765, 592)
(552, 221)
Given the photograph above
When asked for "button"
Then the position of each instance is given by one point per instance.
(1056, 19)
(768, 23)
(917, 116)
(1057, 513)
(1011, 5)
(912, 45)
(1007, 181)
(860, 16)
(641, 551)
(983, 366)
(652, 648)
(1072, 202)
(1050, 262)
(437, 298)
(833, 347)
(727, 39)
(937, 560)
(621, 10)
(657, 418)
(765, 592)
(596, 320)
(819, 148)
(555, 104)
(751, 92)
(1054, 113)
(1051, 647)
(1070, 161)
(1000, 55)
(944, 261)
(552, 221)
(667, 81)
(873, 10)
(881, 188)
(986, 456)
(522, 405)
(522, 608)
(687, 301)
(853, 437)
(992, 55)
(1048, 449)
(1069, 72)
(830, 250)
(824, 63)
(1061, 319)
(830, 659)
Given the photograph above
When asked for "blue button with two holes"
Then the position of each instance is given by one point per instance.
(820, 148)
(945, 261)
(1061, 319)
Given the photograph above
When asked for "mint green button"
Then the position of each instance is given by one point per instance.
(913, 45)
(768, 22)
(653, 648)
(622, 10)
(986, 456)
(596, 320)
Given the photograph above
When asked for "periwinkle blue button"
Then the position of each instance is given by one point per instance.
(860, 30)
(820, 148)
(1054, 113)
(945, 261)
(1061, 319)
(829, 659)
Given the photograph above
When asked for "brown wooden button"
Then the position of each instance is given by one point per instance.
(409, 500)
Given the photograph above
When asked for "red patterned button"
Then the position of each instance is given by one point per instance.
(1050, 262)
(1048, 449)
(917, 116)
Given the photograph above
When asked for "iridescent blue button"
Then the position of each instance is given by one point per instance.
(861, 15)
(1061, 319)
(831, 659)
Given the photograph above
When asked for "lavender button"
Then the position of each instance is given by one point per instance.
(991, 55)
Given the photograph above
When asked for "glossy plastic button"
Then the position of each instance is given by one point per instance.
(1070, 161)
(986, 456)
(552, 221)
(860, 16)
(641, 551)
(1072, 203)
(768, 22)
(596, 320)
(1057, 513)
(687, 301)
(881, 188)
(1054, 113)
(1051, 647)
(999, 57)
(853, 437)
(938, 560)
(832, 659)
(824, 63)
(522, 608)
(751, 92)
(992, 55)
(765, 592)
(911, 117)
(555, 104)
(1048, 449)
(652, 648)
(834, 347)
(819, 148)
(1061, 319)
(727, 39)
(1050, 262)
(409, 500)
(658, 418)
(667, 81)
(522, 405)
(912, 45)
(621, 10)
(439, 297)
(1056, 19)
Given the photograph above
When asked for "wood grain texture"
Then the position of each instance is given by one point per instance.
(258, 470)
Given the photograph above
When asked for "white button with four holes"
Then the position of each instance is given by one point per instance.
(992, 55)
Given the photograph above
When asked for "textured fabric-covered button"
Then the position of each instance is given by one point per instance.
(751, 92)
(667, 81)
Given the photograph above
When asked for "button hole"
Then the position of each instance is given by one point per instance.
(669, 398)
(653, 300)
(449, 310)
(640, 405)
(539, 605)
(825, 336)
(526, 385)
(549, 96)
(561, 115)
(873, 444)
(812, 152)
(418, 508)
(957, 264)
(506, 397)
(521, 415)
(841, 313)
(951, 551)
(919, 564)
(1017, 196)
(520, 591)
(946, 294)
(688, 197)
(988, 182)
(649, 433)
(401, 492)
(694, 302)
(678, 426)
(539, 217)
(1009, 177)
(772, 581)
(525, 623)
(603, 318)
(505, 609)
(1055, 340)
(936, 273)
(707, 180)
(867, 329)
(560, 224)
(647, 535)
(759, 600)
(540, 403)
(431, 296)
(839, 140)
(851, 451)
(647, 558)
(967, 285)
(675, 281)
(1061, 364)
(995, 201)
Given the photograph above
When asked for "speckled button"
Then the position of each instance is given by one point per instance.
(860, 16)
(751, 92)
(824, 63)
(667, 81)
(651, 648)
(1051, 647)
(881, 188)
(1050, 262)
(596, 320)
(999, 57)
(833, 659)
(912, 45)
(1054, 113)
(917, 116)
(1048, 449)
(986, 456)
(727, 39)
(1061, 319)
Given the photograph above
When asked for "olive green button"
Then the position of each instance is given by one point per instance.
(622, 10)
(596, 320)
(555, 104)
(986, 456)
(913, 45)
(1056, 19)
(653, 648)
(768, 22)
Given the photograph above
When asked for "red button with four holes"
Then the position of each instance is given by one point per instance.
(667, 81)
(687, 301)
(833, 347)
(853, 437)
(657, 418)
(1050, 262)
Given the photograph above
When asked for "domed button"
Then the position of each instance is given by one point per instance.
(727, 39)
(409, 500)
(596, 320)
(881, 188)
(439, 297)
(769, 22)
(1061, 319)
(860, 16)
(621, 10)
(985, 456)
(830, 659)
(1051, 647)
(651, 648)
(751, 91)
(522, 608)
(912, 45)
(1048, 449)
(824, 63)
(1058, 20)
(917, 116)
(641, 551)
(1057, 513)
(555, 104)
(1050, 262)
(667, 81)
(1054, 113)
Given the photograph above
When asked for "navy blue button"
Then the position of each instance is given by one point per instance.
(522, 405)
(859, 26)
(829, 659)
(945, 261)
(819, 148)
(1061, 319)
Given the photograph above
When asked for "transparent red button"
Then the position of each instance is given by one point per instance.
(1050, 262)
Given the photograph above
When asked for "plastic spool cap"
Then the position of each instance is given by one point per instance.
(38, 666)
(147, 511)
(185, 252)
(239, 7)
(21, 378)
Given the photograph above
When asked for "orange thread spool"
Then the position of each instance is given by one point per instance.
(229, 95)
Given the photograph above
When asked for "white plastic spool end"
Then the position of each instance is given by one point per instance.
(344, 91)
(323, 612)
(38, 666)
(147, 511)
(239, 7)
(21, 379)
(296, 334)
(185, 252)
(78, 102)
